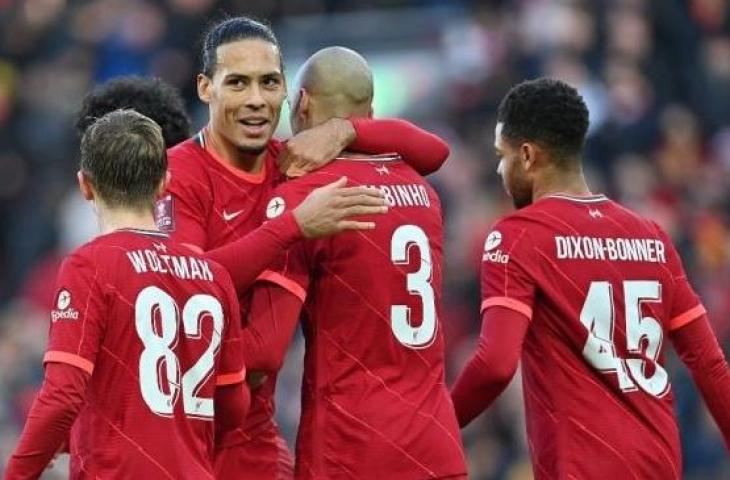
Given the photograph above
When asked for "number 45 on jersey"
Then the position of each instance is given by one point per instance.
(598, 316)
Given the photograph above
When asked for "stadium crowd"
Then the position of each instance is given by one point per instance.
(655, 75)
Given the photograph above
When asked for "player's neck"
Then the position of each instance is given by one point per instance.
(230, 154)
(566, 183)
(118, 218)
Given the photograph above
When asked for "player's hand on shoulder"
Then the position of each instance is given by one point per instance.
(316, 147)
(330, 209)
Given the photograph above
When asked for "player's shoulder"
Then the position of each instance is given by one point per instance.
(518, 220)
(515, 231)
(650, 225)
(187, 157)
(91, 256)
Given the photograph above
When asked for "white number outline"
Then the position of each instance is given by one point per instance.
(418, 283)
(598, 316)
(199, 307)
(193, 380)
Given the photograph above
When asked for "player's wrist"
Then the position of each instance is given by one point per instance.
(344, 129)
(287, 228)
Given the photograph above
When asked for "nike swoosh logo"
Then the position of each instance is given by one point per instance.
(230, 216)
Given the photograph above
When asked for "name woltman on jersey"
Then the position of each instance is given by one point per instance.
(159, 327)
(603, 288)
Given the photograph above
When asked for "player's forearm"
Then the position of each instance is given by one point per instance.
(271, 323)
(49, 421)
(246, 258)
(493, 365)
(697, 346)
(422, 150)
(476, 389)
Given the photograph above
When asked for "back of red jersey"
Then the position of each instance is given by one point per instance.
(157, 327)
(374, 399)
(603, 288)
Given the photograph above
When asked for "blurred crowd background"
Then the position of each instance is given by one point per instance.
(655, 75)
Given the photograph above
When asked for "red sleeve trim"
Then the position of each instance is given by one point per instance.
(230, 378)
(70, 359)
(683, 319)
(507, 302)
(290, 285)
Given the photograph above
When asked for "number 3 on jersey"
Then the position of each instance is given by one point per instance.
(418, 283)
(598, 316)
(159, 368)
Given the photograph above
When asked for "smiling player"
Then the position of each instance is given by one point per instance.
(222, 178)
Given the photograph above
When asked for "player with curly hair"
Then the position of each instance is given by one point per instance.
(586, 293)
(150, 96)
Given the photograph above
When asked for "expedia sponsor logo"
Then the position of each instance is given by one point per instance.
(63, 312)
(70, 314)
(496, 256)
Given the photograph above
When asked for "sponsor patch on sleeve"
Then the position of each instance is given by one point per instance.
(63, 310)
(491, 251)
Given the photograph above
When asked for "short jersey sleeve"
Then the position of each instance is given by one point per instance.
(184, 208)
(685, 305)
(231, 368)
(506, 261)
(291, 270)
(78, 314)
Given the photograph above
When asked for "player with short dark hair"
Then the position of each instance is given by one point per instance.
(231, 30)
(144, 346)
(152, 97)
(374, 400)
(222, 178)
(587, 293)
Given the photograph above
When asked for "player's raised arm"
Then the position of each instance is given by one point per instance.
(326, 211)
(426, 152)
(339, 81)
(310, 149)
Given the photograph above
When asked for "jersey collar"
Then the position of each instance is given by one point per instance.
(591, 198)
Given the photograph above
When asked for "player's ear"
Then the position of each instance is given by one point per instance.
(204, 86)
(304, 103)
(85, 186)
(370, 111)
(527, 155)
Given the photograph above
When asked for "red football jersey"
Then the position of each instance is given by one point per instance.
(157, 327)
(602, 287)
(374, 401)
(209, 204)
